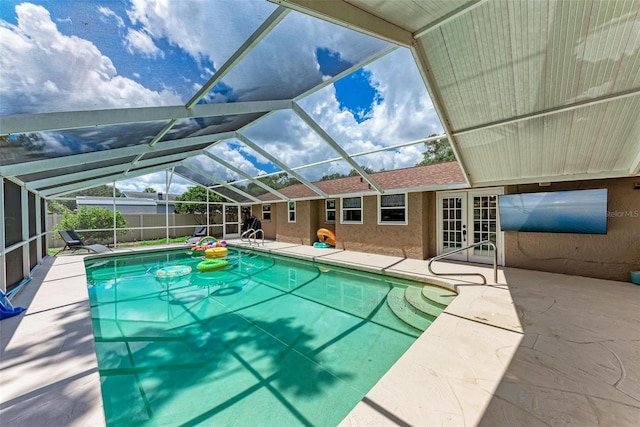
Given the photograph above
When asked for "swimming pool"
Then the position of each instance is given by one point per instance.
(269, 340)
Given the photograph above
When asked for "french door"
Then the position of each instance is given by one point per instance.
(468, 217)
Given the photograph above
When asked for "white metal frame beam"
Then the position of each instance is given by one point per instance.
(260, 33)
(22, 123)
(349, 16)
(173, 172)
(95, 156)
(465, 8)
(64, 189)
(418, 51)
(116, 169)
(221, 182)
(280, 164)
(246, 175)
(329, 140)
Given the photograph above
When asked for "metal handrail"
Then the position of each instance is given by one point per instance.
(253, 233)
(484, 279)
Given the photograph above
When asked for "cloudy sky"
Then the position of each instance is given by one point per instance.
(84, 55)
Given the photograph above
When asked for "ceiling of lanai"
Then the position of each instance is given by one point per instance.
(526, 92)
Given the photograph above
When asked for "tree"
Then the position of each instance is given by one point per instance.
(93, 219)
(198, 210)
(437, 151)
(352, 172)
(149, 190)
(54, 206)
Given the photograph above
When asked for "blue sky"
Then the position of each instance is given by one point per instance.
(74, 55)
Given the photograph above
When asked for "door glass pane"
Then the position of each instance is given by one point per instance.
(452, 220)
(485, 223)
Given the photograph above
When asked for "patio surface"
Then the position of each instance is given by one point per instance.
(535, 349)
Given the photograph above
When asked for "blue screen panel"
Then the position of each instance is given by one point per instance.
(577, 211)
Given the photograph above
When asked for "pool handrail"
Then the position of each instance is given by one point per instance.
(484, 279)
(253, 234)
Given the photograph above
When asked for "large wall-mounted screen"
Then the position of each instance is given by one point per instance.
(577, 211)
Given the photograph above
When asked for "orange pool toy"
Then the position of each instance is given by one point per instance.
(326, 236)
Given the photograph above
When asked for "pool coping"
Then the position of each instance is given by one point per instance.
(471, 366)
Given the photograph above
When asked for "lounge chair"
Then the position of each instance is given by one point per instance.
(74, 243)
(198, 234)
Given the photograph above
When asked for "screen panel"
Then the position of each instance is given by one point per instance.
(577, 211)
(279, 69)
(44, 145)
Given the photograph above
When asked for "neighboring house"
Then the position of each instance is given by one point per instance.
(131, 202)
(429, 210)
(160, 198)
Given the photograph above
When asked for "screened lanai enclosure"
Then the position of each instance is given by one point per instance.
(248, 97)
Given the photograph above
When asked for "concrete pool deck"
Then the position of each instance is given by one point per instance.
(535, 349)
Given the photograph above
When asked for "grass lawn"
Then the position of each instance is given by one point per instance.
(53, 251)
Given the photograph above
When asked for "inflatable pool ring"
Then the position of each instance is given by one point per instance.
(215, 253)
(207, 241)
(203, 244)
(321, 245)
(212, 265)
(326, 236)
(172, 272)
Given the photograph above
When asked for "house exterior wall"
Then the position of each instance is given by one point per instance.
(607, 256)
(387, 239)
(322, 217)
(269, 226)
(302, 231)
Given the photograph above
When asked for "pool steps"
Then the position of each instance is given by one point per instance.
(418, 307)
(438, 295)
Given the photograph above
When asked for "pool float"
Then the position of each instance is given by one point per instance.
(203, 244)
(216, 252)
(326, 236)
(321, 245)
(172, 272)
(212, 265)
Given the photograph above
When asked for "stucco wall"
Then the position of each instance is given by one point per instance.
(302, 231)
(268, 226)
(386, 239)
(607, 256)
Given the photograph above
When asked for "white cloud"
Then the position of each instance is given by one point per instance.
(157, 181)
(203, 29)
(405, 114)
(108, 13)
(43, 70)
(141, 42)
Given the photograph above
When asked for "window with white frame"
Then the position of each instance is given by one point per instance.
(266, 212)
(292, 211)
(330, 210)
(392, 209)
(352, 210)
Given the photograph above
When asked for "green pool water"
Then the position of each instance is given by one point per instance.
(269, 341)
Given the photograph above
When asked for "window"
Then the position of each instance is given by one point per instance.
(292, 211)
(392, 209)
(330, 210)
(352, 210)
(266, 212)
